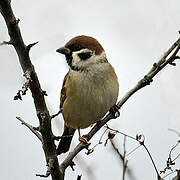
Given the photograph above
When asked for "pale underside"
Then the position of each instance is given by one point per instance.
(89, 95)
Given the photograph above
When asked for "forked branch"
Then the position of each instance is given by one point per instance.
(30, 127)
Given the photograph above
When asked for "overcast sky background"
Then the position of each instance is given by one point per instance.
(134, 35)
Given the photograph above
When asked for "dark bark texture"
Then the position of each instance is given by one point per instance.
(37, 93)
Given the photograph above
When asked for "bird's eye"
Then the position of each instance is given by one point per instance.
(76, 47)
(85, 55)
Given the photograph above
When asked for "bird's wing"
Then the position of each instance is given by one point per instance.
(68, 133)
(63, 91)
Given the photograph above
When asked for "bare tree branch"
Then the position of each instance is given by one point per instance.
(170, 160)
(37, 93)
(50, 167)
(140, 139)
(157, 67)
(30, 127)
(124, 159)
(120, 156)
(54, 115)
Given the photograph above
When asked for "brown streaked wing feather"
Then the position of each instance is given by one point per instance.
(68, 133)
(63, 91)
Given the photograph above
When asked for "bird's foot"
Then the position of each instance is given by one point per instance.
(115, 111)
(83, 138)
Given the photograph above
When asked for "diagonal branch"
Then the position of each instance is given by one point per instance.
(148, 78)
(30, 128)
(157, 67)
(37, 93)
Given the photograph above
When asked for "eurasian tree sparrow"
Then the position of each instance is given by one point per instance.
(90, 87)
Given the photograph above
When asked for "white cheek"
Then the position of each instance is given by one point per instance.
(92, 60)
(76, 58)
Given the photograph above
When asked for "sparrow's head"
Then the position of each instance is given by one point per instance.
(82, 51)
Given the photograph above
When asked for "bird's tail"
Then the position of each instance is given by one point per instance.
(65, 142)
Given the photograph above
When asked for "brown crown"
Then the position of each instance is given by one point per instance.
(86, 42)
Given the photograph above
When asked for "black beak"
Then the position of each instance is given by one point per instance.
(64, 50)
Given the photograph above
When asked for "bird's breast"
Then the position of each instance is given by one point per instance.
(90, 96)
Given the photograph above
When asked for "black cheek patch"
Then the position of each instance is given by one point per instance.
(84, 56)
(69, 59)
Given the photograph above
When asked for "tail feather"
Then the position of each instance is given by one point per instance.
(65, 142)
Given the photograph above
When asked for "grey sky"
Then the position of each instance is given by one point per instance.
(134, 35)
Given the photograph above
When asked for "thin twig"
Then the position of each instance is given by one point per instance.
(178, 142)
(120, 156)
(99, 142)
(170, 153)
(6, 43)
(170, 161)
(116, 131)
(57, 138)
(50, 167)
(157, 172)
(54, 115)
(168, 174)
(129, 153)
(30, 127)
(175, 131)
(117, 151)
(176, 158)
(140, 138)
(31, 45)
(124, 159)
